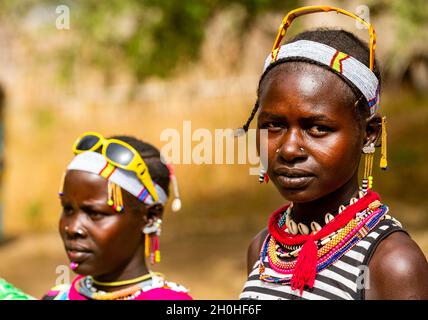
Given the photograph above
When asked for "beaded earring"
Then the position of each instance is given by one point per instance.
(176, 203)
(263, 176)
(115, 198)
(383, 157)
(152, 232)
(368, 152)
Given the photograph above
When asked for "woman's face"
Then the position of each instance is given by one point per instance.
(314, 141)
(99, 239)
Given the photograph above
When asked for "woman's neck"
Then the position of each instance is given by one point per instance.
(317, 209)
(134, 269)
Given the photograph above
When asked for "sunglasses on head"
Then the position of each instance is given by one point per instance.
(118, 153)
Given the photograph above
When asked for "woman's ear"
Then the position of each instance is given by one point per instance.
(373, 130)
(155, 211)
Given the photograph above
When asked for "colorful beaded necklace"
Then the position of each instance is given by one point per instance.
(86, 287)
(320, 249)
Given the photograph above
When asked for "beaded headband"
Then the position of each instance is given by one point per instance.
(352, 69)
(94, 162)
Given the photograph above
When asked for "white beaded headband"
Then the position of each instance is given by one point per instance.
(95, 162)
(352, 69)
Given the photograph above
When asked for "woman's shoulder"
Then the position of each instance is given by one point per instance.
(254, 248)
(398, 269)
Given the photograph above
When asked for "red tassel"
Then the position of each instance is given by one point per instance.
(266, 178)
(306, 267)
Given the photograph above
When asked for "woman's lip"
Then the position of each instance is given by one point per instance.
(291, 172)
(77, 256)
(299, 182)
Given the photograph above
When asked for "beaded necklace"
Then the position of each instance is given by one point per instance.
(86, 287)
(320, 249)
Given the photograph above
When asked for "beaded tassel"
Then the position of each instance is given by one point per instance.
(154, 252)
(146, 245)
(368, 167)
(383, 158)
(176, 203)
(152, 232)
(115, 197)
(263, 176)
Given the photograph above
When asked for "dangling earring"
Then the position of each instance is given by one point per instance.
(368, 167)
(263, 176)
(115, 198)
(383, 157)
(152, 231)
(176, 203)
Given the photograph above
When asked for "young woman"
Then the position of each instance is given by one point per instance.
(113, 198)
(318, 100)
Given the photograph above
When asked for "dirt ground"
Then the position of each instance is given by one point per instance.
(212, 267)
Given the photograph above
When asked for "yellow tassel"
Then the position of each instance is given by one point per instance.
(157, 256)
(118, 198)
(110, 201)
(146, 245)
(383, 158)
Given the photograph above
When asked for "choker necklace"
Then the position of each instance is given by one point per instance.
(295, 228)
(122, 283)
(316, 251)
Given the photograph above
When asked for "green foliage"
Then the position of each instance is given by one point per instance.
(151, 36)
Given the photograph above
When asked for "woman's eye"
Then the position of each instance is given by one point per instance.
(68, 210)
(95, 215)
(319, 131)
(272, 126)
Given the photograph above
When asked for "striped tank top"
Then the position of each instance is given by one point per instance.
(342, 280)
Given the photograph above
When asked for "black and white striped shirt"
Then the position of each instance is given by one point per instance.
(345, 279)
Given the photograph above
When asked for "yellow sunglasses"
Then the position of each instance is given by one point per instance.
(313, 9)
(118, 153)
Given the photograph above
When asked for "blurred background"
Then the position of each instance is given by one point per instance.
(139, 67)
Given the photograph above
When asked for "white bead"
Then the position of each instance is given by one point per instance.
(361, 194)
(353, 200)
(294, 253)
(341, 208)
(303, 228)
(325, 240)
(293, 227)
(328, 217)
(176, 205)
(315, 226)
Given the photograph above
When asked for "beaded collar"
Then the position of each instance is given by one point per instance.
(306, 255)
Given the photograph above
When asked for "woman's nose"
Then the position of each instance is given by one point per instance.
(74, 227)
(291, 148)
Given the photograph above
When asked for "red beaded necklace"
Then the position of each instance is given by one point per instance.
(305, 269)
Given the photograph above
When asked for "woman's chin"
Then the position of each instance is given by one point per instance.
(299, 195)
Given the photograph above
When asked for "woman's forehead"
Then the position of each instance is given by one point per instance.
(307, 88)
(85, 184)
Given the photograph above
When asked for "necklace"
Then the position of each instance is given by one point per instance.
(86, 287)
(295, 228)
(319, 249)
(122, 283)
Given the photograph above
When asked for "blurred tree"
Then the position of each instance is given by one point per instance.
(407, 61)
(151, 36)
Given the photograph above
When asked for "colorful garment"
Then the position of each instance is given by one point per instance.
(155, 288)
(9, 292)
